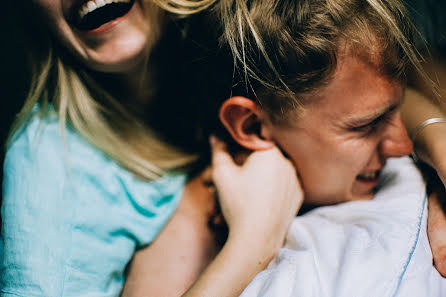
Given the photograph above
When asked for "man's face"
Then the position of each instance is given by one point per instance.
(342, 139)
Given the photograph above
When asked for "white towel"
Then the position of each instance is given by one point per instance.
(373, 248)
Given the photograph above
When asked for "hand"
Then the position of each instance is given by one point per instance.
(436, 213)
(259, 198)
(436, 226)
(430, 145)
(437, 230)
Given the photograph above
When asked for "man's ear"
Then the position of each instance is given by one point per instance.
(244, 121)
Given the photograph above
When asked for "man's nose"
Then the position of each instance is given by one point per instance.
(396, 142)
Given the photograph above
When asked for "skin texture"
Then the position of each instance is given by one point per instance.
(437, 230)
(385, 142)
(257, 222)
(119, 46)
(120, 49)
(257, 227)
(350, 128)
(182, 250)
(430, 144)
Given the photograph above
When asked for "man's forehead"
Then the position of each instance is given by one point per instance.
(357, 90)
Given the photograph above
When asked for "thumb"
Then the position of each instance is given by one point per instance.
(272, 153)
(220, 155)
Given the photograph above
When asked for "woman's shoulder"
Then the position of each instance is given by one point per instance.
(46, 166)
(61, 197)
(43, 144)
(42, 138)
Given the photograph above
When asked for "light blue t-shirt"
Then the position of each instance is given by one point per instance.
(72, 217)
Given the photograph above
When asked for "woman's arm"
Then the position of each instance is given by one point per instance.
(430, 142)
(182, 250)
(437, 229)
(71, 216)
(430, 147)
(258, 200)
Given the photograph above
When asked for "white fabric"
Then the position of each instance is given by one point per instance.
(375, 248)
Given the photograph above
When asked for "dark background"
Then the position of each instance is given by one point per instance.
(13, 72)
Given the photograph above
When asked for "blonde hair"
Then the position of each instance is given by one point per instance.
(289, 48)
(105, 123)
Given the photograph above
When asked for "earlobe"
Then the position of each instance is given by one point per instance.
(243, 120)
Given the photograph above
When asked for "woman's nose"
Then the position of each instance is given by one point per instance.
(396, 141)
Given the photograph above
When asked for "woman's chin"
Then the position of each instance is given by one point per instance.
(121, 62)
(120, 45)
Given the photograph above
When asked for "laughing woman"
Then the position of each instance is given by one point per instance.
(85, 182)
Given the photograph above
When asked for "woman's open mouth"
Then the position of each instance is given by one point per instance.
(92, 14)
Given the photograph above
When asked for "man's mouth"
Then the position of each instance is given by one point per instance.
(93, 14)
(369, 176)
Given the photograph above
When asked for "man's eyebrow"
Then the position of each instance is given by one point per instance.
(377, 114)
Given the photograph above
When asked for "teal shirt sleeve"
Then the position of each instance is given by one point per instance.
(72, 217)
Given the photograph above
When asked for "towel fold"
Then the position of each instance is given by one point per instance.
(374, 248)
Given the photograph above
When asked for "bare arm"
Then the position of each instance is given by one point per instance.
(430, 141)
(258, 200)
(430, 146)
(182, 250)
(422, 103)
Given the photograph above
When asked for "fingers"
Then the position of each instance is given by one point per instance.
(220, 154)
(272, 154)
(437, 230)
(206, 177)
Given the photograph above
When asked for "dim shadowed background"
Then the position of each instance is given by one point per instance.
(13, 72)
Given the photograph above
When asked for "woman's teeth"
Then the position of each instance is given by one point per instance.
(92, 5)
(95, 13)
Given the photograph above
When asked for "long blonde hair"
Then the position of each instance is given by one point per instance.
(105, 123)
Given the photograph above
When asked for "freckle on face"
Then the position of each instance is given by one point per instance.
(330, 159)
